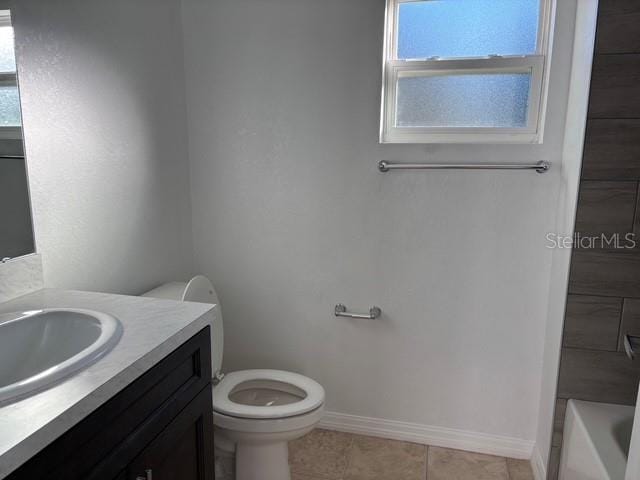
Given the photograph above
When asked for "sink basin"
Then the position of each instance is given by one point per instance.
(41, 347)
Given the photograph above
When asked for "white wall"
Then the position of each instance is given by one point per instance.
(584, 26)
(291, 217)
(104, 108)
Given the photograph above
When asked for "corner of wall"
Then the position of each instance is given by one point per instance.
(578, 98)
(538, 465)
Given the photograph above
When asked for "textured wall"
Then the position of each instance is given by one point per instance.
(105, 125)
(292, 217)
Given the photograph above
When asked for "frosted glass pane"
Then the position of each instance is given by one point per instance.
(7, 54)
(9, 107)
(486, 100)
(467, 28)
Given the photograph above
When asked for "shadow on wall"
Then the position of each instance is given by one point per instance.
(16, 236)
(105, 128)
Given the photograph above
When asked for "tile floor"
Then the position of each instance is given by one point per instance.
(328, 455)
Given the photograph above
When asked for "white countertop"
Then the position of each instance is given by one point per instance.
(153, 328)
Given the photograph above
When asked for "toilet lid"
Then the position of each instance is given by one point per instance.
(200, 289)
(291, 384)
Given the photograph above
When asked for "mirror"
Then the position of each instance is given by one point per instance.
(16, 230)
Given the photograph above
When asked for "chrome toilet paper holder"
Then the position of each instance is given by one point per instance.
(341, 311)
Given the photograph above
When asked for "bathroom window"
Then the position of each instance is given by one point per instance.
(465, 71)
(10, 118)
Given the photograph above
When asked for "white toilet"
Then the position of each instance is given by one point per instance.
(255, 412)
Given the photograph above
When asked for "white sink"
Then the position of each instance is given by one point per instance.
(40, 347)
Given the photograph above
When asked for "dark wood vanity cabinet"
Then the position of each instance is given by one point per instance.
(160, 427)
(181, 450)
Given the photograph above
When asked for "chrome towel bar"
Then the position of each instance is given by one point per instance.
(540, 167)
(341, 311)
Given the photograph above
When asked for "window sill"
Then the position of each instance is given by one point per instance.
(461, 138)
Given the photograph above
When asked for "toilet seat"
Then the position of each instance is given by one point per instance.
(256, 413)
(286, 382)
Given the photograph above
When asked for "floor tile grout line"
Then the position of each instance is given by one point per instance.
(338, 474)
(426, 462)
(349, 454)
(349, 460)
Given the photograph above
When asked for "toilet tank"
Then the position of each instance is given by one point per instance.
(198, 289)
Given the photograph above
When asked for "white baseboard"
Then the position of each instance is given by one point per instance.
(537, 465)
(429, 435)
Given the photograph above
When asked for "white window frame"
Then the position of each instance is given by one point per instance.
(535, 64)
(9, 79)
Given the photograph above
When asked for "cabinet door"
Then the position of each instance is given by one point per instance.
(103, 445)
(183, 449)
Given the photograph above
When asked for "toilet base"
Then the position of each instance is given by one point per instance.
(224, 464)
(262, 461)
(261, 445)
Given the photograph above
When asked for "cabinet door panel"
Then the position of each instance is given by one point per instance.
(103, 444)
(183, 450)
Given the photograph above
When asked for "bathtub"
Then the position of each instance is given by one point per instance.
(596, 441)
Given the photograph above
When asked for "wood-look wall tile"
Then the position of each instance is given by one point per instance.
(612, 150)
(636, 221)
(608, 8)
(618, 30)
(630, 320)
(615, 87)
(598, 376)
(554, 464)
(558, 422)
(606, 207)
(592, 322)
(609, 274)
